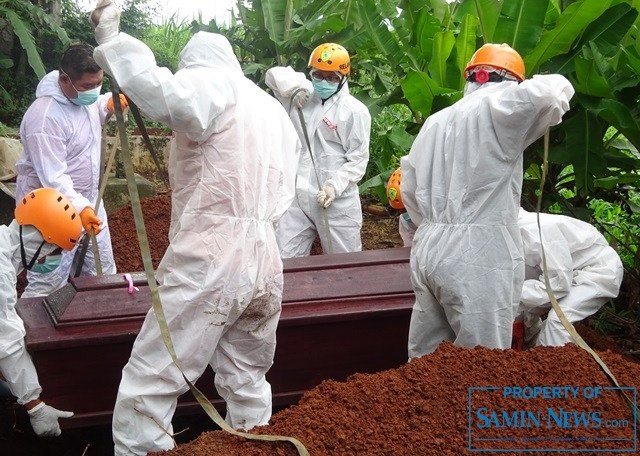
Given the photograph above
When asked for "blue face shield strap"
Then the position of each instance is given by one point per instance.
(23, 254)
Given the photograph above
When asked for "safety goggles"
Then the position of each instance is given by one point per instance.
(329, 76)
(482, 75)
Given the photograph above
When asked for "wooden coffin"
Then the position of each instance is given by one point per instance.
(341, 314)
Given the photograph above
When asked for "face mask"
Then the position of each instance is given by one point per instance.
(324, 89)
(86, 97)
(51, 263)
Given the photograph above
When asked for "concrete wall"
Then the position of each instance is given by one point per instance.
(141, 157)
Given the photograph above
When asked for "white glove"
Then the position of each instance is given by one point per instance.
(301, 98)
(106, 19)
(326, 196)
(44, 420)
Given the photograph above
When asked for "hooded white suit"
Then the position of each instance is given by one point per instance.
(584, 273)
(339, 133)
(461, 185)
(232, 171)
(61, 144)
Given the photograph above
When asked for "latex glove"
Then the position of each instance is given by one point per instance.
(106, 20)
(44, 420)
(90, 220)
(111, 105)
(301, 98)
(326, 196)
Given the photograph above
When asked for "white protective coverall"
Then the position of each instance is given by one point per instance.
(339, 132)
(461, 185)
(407, 229)
(61, 150)
(584, 273)
(232, 169)
(15, 363)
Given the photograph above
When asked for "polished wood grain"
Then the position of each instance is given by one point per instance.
(341, 314)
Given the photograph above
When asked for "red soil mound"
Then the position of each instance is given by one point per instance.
(423, 408)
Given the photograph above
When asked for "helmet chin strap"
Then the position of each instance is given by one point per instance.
(342, 82)
(23, 253)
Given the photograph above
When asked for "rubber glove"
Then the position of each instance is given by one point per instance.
(326, 196)
(106, 20)
(90, 220)
(111, 105)
(300, 98)
(44, 420)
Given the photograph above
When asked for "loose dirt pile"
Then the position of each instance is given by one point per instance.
(426, 407)
(378, 232)
(156, 212)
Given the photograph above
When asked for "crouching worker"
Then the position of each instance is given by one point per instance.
(45, 224)
(584, 273)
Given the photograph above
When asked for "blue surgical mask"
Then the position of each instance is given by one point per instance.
(50, 263)
(86, 97)
(324, 89)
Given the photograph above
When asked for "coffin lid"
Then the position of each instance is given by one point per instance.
(319, 285)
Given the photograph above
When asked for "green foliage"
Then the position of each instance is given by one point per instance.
(389, 142)
(26, 22)
(8, 132)
(76, 22)
(168, 39)
(137, 16)
(621, 226)
(615, 319)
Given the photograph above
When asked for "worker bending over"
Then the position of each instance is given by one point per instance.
(583, 270)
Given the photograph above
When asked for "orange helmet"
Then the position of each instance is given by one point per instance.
(330, 57)
(52, 214)
(393, 190)
(500, 56)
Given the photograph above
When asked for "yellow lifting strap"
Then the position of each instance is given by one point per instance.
(580, 342)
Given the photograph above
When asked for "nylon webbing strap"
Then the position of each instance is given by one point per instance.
(7, 190)
(102, 184)
(81, 256)
(155, 296)
(147, 141)
(580, 342)
(325, 218)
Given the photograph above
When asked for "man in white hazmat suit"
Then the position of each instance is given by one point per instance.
(461, 185)
(60, 134)
(583, 270)
(232, 170)
(338, 126)
(45, 222)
